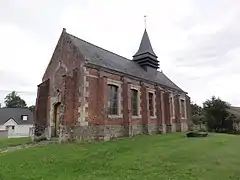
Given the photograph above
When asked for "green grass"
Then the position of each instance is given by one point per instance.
(157, 157)
(6, 142)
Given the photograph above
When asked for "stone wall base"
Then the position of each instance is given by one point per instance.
(168, 128)
(162, 129)
(173, 127)
(108, 132)
(178, 127)
(184, 127)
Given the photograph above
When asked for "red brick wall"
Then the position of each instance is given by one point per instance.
(166, 108)
(95, 113)
(41, 108)
(189, 113)
(97, 101)
(41, 102)
(71, 97)
(159, 106)
(64, 60)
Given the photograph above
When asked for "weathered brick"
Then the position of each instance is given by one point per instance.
(83, 92)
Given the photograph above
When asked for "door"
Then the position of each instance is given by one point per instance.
(56, 119)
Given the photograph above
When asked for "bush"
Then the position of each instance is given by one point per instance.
(197, 134)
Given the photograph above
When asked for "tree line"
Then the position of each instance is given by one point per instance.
(215, 115)
(13, 100)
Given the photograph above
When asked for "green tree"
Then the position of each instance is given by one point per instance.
(216, 114)
(13, 100)
(197, 114)
(31, 108)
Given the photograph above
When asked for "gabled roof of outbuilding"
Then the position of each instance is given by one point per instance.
(16, 115)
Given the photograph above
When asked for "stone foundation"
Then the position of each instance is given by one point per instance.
(173, 127)
(178, 127)
(152, 128)
(137, 129)
(184, 126)
(162, 129)
(168, 128)
(108, 132)
(88, 133)
(114, 131)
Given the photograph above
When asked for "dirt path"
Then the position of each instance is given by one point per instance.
(27, 145)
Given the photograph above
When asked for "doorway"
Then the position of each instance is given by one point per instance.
(56, 118)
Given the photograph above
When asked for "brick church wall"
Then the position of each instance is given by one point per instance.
(102, 126)
(83, 92)
(64, 60)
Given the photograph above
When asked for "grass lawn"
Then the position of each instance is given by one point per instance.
(6, 142)
(156, 157)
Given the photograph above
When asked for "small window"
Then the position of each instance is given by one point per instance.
(150, 103)
(24, 117)
(112, 99)
(134, 98)
(13, 127)
(183, 110)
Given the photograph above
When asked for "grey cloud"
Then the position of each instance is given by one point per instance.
(8, 79)
(41, 17)
(210, 49)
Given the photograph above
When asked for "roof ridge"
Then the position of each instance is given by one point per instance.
(98, 46)
(170, 80)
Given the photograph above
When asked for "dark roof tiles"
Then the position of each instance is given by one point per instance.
(104, 58)
(145, 45)
(16, 115)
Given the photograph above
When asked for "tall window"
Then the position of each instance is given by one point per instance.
(171, 107)
(172, 110)
(183, 110)
(134, 102)
(112, 99)
(150, 103)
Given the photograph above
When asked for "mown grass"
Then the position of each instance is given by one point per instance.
(6, 142)
(164, 157)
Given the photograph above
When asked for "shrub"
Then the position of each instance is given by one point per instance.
(197, 134)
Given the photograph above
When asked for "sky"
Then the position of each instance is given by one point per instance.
(197, 41)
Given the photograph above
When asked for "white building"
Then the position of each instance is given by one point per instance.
(16, 122)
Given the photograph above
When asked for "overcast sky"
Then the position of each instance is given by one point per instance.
(197, 41)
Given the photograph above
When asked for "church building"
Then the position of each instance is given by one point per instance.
(89, 93)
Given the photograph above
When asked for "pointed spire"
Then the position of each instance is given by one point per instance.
(145, 46)
(145, 55)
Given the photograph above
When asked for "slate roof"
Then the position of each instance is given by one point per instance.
(235, 111)
(145, 45)
(15, 113)
(104, 58)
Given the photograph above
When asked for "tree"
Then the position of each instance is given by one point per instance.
(13, 100)
(216, 114)
(197, 114)
(31, 108)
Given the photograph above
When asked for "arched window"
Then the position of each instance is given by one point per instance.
(112, 99)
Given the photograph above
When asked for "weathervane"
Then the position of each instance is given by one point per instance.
(145, 21)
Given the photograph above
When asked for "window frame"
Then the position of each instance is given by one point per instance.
(135, 112)
(24, 116)
(137, 88)
(153, 92)
(172, 106)
(113, 100)
(185, 108)
(119, 97)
